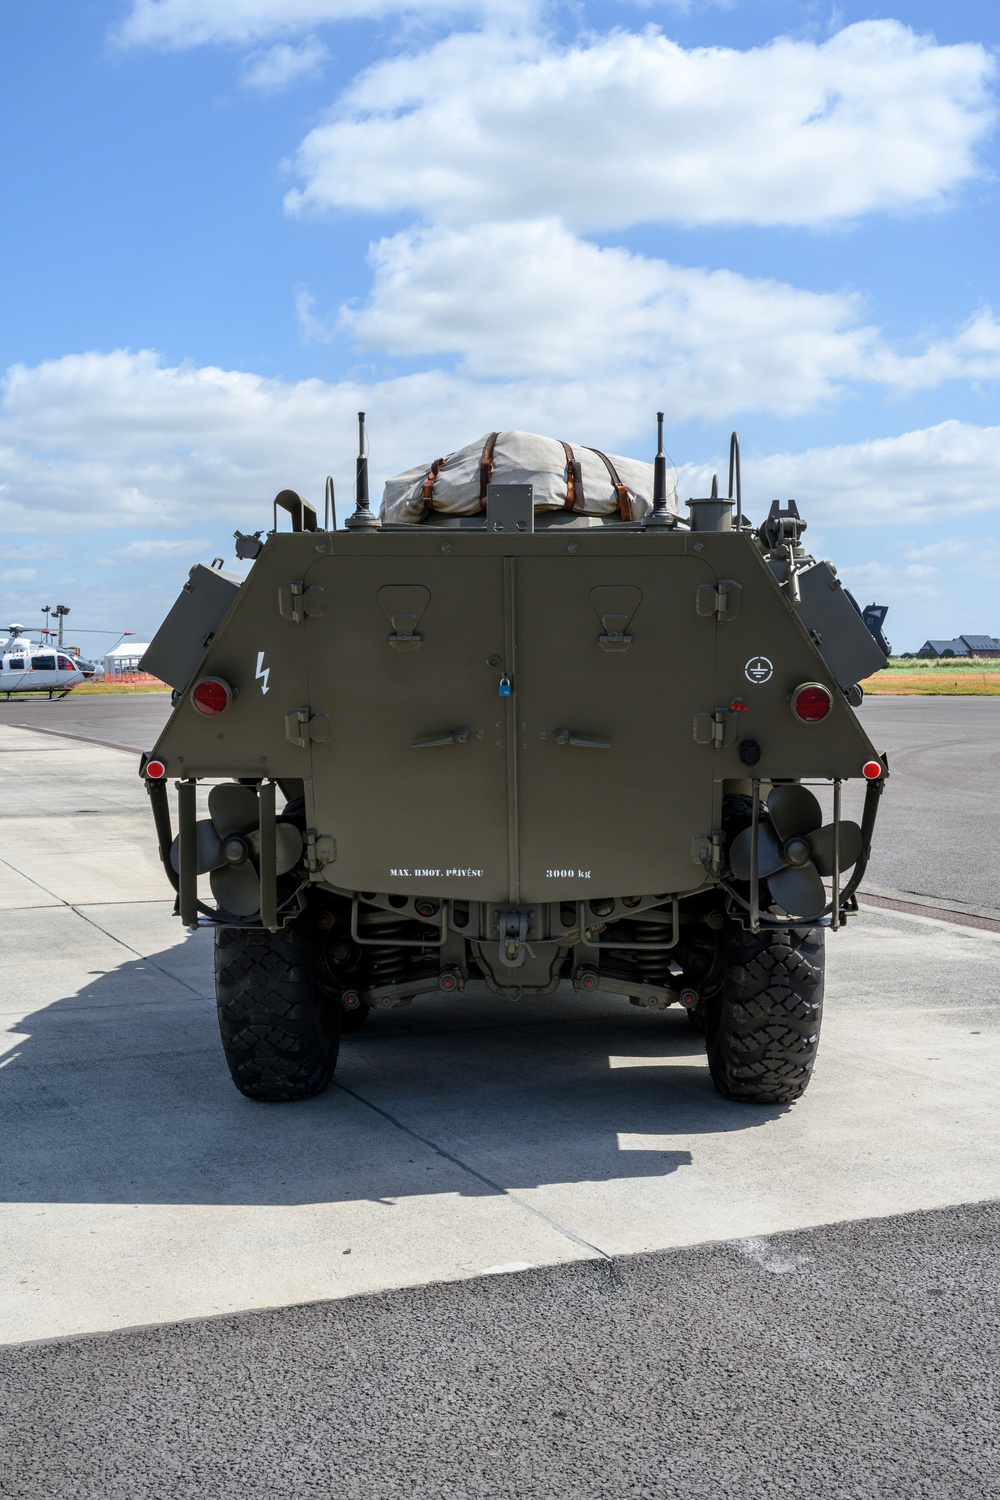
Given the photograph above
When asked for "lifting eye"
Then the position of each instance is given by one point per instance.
(811, 702)
(211, 695)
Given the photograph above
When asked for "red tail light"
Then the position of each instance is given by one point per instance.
(211, 695)
(155, 770)
(872, 770)
(811, 702)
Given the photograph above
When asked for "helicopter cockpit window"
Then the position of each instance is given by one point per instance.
(65, 665)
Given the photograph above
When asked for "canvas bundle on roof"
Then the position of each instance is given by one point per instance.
(564, 476)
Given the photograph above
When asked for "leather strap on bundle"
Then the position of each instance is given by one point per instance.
(574, 481)
(621, 491)
(486, 468)
(427, 489)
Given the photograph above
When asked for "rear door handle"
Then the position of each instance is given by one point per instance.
(454, 737)
(564, 737)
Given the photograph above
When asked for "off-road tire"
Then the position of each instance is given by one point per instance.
(762, 1028)
(280, 1033)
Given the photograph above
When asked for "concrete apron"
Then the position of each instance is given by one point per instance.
(464, 1135)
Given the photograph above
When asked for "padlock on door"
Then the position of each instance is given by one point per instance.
(504, 690)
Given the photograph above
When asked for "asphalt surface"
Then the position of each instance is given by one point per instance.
(857, 1360)
(853, 1359)
(937, 830)
(130, 722)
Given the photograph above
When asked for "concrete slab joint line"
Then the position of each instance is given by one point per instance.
(916, 906)
(562, 1229)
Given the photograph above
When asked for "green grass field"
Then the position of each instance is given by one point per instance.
(975, 676)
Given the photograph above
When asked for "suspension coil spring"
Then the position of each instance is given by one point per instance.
(653, 964)
(387, 963)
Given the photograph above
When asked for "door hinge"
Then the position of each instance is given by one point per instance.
(303, 726)
(721, 600)
(321, 850)
(296, 602)
(717, 729)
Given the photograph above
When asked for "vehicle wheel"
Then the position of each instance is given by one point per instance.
(280, 1033)
(762, 1027)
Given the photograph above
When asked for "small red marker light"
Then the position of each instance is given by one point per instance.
(872, 770)
(155, 770)
(211, 695)
(811, 702)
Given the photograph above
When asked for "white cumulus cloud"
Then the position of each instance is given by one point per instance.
(933, 474)
(531, 300)
(118, 458)
(630, 128)
(193, 23)
(120, 443)
(276, 68)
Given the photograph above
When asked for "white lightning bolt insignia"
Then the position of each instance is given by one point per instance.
(262, 672)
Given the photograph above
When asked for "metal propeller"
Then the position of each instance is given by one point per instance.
(227, 843)
(794, 849)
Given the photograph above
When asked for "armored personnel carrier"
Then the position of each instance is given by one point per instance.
(531, 727)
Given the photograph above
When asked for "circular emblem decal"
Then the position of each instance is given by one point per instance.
(759, 669)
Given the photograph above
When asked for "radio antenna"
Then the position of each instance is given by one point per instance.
(362, 519)
(660, 515)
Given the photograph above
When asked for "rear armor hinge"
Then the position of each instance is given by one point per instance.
(722, 601)
(717, 729)
(296, 602)
(303, 726)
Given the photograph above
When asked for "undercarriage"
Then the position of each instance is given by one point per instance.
(376, 950)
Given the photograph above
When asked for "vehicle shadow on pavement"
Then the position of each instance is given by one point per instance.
(120, 1094)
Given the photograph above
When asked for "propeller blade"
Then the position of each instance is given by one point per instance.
(289, 846)
(799, 892)
(794, 811)
(233, 808)
(769, 855)
(237, 889)
(208, 855)
(821, 844)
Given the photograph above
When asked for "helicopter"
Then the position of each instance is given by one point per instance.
(29, 668)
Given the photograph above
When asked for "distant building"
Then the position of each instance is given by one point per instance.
(962, 645)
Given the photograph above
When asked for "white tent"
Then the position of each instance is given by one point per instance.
(124, 658)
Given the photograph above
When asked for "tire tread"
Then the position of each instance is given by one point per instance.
(279, 1032)
(763, 1027)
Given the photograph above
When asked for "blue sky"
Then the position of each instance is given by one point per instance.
(229, 223)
